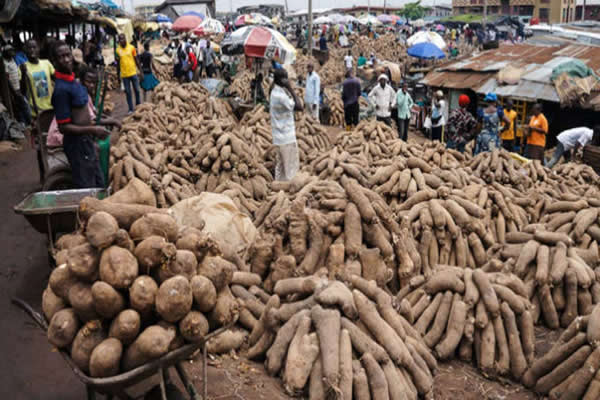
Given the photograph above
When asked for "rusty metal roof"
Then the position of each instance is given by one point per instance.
(520, 55)
(456, 80)
(478, 72)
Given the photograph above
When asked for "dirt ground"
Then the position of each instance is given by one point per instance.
(31, 369)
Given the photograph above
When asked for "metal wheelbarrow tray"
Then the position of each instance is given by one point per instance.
(55, 211)
(117, 385)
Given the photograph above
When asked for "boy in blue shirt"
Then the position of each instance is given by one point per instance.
(70, 100)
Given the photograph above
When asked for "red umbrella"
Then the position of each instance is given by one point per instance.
(186, 23)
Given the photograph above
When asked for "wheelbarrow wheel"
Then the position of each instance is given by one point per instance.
(58, 181)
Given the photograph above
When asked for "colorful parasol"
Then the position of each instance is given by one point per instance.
(260, 42)
(186, 23)
(209, 25)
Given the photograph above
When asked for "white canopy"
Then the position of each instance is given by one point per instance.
(369, 20)
(429, 37)
(323, 20)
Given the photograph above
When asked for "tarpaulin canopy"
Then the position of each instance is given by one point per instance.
(125, 27)
(261, 42)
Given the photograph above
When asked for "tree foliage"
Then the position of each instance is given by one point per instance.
(414, 10)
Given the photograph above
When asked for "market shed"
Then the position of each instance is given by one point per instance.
(529, 68)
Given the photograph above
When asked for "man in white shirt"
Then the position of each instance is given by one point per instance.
(438, 115)
(571, 139)
(383, 97)
(313, 92)
(348, 60)
(283, 103)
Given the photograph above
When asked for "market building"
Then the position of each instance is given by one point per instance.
(592, 10)
(146, 8)
(270, 10)
(176, 8)
(549, 11)
(523, 73)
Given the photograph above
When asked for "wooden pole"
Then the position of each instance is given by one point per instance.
(310, 28)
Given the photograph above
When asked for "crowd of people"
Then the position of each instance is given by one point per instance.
(66, 84)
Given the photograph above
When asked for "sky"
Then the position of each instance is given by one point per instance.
(226, 5)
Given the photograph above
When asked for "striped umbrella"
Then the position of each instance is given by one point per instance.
(261, 42)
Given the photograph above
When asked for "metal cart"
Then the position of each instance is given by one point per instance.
(55, 212)
(118, 385)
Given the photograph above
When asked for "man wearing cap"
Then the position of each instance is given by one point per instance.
(283, 103)
(383, 97)
(312, 92)
(461, 125)
(404, 102)
(438, 113)
(491, 116)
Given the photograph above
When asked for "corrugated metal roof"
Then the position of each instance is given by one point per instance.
(524, 90)
(456, 80)
(479, 71)
(519, 55)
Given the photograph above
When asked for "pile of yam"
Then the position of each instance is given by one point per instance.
(329, 339)
(371, 139)
(240, 86)
(570, 370)
(343, 227)
(561, 279)
(130, 286)
(458, 226)
(385, 47)
(473, 315)
(255, 128)
(183, 152)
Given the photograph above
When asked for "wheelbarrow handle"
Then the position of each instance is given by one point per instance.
(36, 316)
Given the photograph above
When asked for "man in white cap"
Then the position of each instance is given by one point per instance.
(383, 97)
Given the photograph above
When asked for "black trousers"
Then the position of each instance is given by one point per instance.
(403, 128)
(436, 133)
(387, 120)
(508, 144)
(85, 166)
(351, 114)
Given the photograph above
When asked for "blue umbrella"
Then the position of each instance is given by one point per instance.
(159, 18)
(425, 50)
(195, 13)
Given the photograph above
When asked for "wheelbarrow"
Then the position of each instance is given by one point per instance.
(118, 385)
(56, 211)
